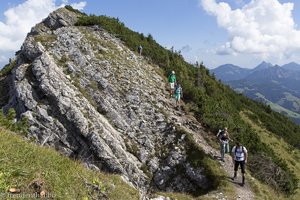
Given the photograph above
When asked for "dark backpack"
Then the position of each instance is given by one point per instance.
(221, 135)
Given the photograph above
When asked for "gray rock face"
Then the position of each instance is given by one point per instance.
(91, 98)
(57, 19)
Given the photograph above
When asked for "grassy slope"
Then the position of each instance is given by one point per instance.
(23, 163)
(279, 108)
(292, 98)
(283, 150)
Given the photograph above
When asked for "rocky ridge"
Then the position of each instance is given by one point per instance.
(93, 99)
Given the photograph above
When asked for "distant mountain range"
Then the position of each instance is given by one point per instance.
(277, 86)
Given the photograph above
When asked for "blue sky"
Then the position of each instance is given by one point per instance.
(240, 32)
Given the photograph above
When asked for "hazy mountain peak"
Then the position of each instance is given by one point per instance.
(230, 72)
(263, 65)
(229, 66)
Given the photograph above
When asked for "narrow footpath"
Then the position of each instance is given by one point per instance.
(191, 125)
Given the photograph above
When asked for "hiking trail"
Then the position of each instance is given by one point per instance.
(191, 125)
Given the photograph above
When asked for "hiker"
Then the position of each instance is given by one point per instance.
(239, 157)
(223, 137)
(140, 48)
(178, 94)
(172, 82)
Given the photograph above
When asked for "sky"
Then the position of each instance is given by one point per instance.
(215, 32)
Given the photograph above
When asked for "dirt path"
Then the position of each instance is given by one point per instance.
(191, 125)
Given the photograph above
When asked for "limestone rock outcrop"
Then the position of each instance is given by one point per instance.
(93, 99)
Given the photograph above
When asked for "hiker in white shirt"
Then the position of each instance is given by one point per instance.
(239, 157)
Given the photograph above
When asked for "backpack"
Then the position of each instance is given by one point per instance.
(221, 136)
(243, 151)
(235, 152)
(178, 90)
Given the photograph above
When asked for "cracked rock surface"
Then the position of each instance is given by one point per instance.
(90, 97)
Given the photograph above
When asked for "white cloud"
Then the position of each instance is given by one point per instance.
(79, 6)
(262, 27)
(225, 50)
(20, 19)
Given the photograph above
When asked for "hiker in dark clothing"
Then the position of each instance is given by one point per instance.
(223, 137)
(239, 157)
(140, 49)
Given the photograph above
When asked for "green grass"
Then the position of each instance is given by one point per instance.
(213, 170)
(280, 109)
(23, 164)
(73, 10)
(45, 38)
(7, 68)
(291, 98)
(283, 150)
(262, 191)
(177, 196)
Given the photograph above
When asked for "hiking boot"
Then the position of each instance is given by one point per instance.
(243, 181)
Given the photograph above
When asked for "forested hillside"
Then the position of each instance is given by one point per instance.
(214, 104)
(277, 86)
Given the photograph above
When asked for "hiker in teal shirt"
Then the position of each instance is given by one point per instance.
(172, 82)
(178, 94)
